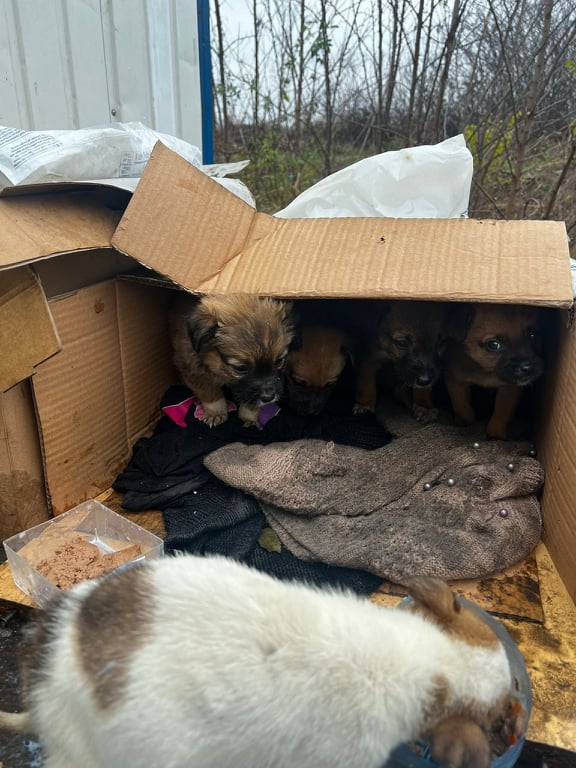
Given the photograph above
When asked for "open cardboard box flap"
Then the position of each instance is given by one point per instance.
(39, 226)
(34, 229)
(27, 332)
(186, 226)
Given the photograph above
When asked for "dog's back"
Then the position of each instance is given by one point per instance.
(203, 662)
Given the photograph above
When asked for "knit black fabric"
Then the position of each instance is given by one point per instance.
(202, 515)
(224, 521)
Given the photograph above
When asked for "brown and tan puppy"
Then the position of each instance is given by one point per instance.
(236, 344)
(495, 346)
(407, 342)
(314, 366)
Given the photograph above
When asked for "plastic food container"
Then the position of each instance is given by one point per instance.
(407, 757)
(92, 522)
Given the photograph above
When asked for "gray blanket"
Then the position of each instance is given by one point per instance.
(435, 501)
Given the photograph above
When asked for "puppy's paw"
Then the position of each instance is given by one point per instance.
(215, 413)
(464, 418)
(496, 431)
(248, 415)
(425, 415)
(459, 742)
(359, 408)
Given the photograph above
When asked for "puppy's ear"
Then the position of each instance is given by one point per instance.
(295, 313)
(459, 742)
(348, 349)
(434, 599)
(297, 341)
(348, 353)
(459, 318)
(435, 595)
(200, 332)
(381, 309)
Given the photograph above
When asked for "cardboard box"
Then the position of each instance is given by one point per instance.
(101, 391)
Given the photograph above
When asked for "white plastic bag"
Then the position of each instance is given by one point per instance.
(102, 152)
(430, 181)
(110, 154)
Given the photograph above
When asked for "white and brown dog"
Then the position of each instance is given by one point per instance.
(204, 662)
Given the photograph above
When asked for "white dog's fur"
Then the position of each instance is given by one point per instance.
(190, 662)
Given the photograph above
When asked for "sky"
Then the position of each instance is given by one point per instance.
(236, 15)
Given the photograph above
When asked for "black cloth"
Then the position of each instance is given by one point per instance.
(202, 515)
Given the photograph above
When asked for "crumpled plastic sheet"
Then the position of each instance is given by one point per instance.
(429, 181)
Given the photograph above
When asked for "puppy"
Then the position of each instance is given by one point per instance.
(494, 346)
(315, 363)
(407, 343)
(204, 662)
(236, 344)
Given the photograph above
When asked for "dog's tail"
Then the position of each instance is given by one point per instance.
(15, 721)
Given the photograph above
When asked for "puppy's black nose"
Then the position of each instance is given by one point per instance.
(424, 379)
(525, 368)
(268, 397)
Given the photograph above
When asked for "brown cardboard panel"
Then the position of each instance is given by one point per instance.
(69, 272)
(458, 259)
(101, 392)
(27, 332)
(185, 225)
(557, 448)
(38, 226)
(79, 398)
(146, 353)
(177, 222)
(22, 494)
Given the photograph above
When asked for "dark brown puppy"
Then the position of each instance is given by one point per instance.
(235, 343)
(407, 343)
(495, 346)
(314, 366)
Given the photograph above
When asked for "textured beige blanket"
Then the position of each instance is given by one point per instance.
(436, 500)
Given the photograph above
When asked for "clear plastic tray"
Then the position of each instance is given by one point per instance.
(101, 526)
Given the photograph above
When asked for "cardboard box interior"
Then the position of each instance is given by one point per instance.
(23, 501)
(97, 395)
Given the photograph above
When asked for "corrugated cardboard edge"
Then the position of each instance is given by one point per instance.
(555, 448)
(39, 226)
(115, 337)
(183, 224)
(127, 184)
(175, 222)
(22, 490)
(28, 335)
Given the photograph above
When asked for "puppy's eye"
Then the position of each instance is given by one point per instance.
(239, 367)
(493, 345)
(330, 384)
(299, 382)
(402, 342)
(279, 362)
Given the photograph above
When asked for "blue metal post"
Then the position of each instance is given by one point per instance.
(203, 7)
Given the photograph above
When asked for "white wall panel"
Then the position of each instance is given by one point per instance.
(79, 63)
